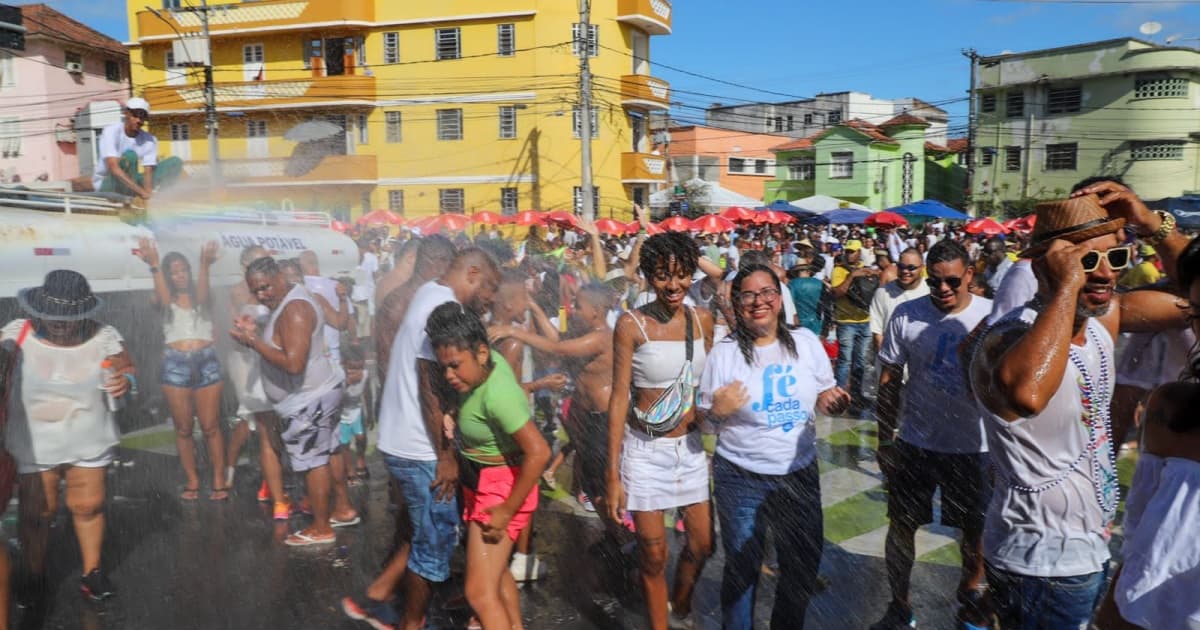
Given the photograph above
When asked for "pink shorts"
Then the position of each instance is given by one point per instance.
(495, 486)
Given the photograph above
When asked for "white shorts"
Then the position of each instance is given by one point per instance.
(100, 461)
(662, 473)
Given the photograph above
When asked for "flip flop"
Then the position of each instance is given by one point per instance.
(190, 494)
(222, 492)
(334, 522)
(300, 539)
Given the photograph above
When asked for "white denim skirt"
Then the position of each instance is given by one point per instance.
(663, 473)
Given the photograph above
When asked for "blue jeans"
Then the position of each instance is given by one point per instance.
(854, 343)
(1033, 603)
(434, 524)
(749, 503)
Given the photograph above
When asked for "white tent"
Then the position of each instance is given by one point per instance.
(825, 203)
(710, 194)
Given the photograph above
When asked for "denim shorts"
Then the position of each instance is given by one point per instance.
(434, 524)
(194, 370)
(1030, 603)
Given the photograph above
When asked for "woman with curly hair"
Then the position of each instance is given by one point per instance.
(656, 461)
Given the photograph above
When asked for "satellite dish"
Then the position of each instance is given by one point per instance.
(1171, 38)
(1150, 28)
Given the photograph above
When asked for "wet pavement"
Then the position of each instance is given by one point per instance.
(210, 564)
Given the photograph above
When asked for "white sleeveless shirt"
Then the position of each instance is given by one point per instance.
(1054, 470)
(291, 393)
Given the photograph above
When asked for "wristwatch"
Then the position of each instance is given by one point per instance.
(1164, 229)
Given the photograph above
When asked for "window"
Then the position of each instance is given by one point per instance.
(8, 77)
(506, 40)
(779, 123)
(760, 167)
(508, 122)
(987, 103)
(791, 123)
(112, 71)
(508, 201)
(803, 169)
(391, 121)
(576, 122)
(449, 123)
(737, 165)
(364, 136)
(987, 156)
(842, 165)
(171, 4)
(391, 48)
(10, 137)
(181, 132)
(1156, 150)
(451, 200)
(447, 43)
(1150, 86)
(834, 117)
(171, 60)
(256, 129)
(578, 199)
(252, 53)
(1063, 100)
(313, 49)
(396, 201)
(1061, 157)
(1012, 158)
(1014, 104)
(360, 52)
(808, 119)
(593, 40)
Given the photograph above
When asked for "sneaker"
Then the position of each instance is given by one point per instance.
(96, 586)
(585, 502)
(897, 617)
(378, 615)
(282, 511)
(526, 567)
(264, 493)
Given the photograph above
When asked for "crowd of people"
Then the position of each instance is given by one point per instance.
(1004, 374)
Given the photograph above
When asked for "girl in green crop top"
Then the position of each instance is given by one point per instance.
(503, 456)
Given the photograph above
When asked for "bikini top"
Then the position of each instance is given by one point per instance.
(656, 364)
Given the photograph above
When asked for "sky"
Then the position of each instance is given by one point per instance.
(777, 50)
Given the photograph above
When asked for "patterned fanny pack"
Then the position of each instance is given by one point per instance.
(669, 409)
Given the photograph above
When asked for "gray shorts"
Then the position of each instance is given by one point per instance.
(310, 435)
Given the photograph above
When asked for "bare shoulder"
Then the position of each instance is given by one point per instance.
(705, 316)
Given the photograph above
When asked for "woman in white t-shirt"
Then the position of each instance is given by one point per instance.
(761, 386)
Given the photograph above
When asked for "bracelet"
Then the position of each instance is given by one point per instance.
(1164, 230)
(133, 388)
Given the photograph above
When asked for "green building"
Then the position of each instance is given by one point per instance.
(1046, 119)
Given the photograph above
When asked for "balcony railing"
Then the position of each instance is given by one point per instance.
(345, 90)
(652, 16)
(644, 91)
(274, 15)
(643, 168)
(337, 170)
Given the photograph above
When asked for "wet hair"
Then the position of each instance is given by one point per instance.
(248, 255)
(596, 294)
(947, 250)
(817, 265)
(753, 258)
(431, 248)
(1084, 183)
(165, 265)
(266, 265)
(452, 325)
(475, 256)
(497, 248)
(1189, 274)
(354, 352)
(291, 264)
(741, 332)
(914, 251)
(658, 250)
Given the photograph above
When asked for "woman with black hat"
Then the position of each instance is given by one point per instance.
(60, 421)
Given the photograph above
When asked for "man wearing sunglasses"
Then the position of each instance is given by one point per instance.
(906, 287)
(1044, 376)
(932, 437)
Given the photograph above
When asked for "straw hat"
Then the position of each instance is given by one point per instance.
(64, 296)
(1075, 220)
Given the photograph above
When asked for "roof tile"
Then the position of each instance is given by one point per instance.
(40, 19)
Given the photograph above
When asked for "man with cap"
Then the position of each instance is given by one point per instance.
(1043, 376)
(852, 299)
(1143, 273)
(122, 147)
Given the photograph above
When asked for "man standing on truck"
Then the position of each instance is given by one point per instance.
(123, 146)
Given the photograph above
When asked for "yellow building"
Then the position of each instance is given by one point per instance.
(448, 106)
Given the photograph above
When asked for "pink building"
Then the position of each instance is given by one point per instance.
(65, 66)
(735, 160)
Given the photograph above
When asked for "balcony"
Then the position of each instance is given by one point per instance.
(247, 17)
(645, 92)
(643, 168)
(332, 170)
(652, 16)
(345, 90)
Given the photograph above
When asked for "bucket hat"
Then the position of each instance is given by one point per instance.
(1075, 220)
(64, 296)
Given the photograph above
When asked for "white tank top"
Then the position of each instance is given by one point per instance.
(1056, 485)
(186, 324)
(657, 363)
(292, 393)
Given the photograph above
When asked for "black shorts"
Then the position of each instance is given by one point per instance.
(963, 478)
(588, 431)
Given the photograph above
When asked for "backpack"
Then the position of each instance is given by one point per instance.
(862, 291)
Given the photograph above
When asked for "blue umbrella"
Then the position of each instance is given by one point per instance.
(930, 208)
(779, 205)
(844, 216)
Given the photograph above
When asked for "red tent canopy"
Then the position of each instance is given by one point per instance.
(611, 227)
(985, 226)
(447, 222)
(529, 217)
(633, 226)
(381, 216)
(562, 218)
(487, 217)
(886, 219)
(676, 224)
(738, 214)
(713, 224)
(773, 217)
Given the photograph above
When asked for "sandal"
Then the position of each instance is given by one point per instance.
(190, 494)
(300, 539)
(334, 522)
(219, 494)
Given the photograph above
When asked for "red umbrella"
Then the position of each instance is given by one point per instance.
(1026, 223)
(529, 217)
(712, 224)
(380, 216)
(985, 226)
(773, 217)
(738, 214)
(611, 227)
(488, 218)
(676, 224)
(448, 222)
(562, 218)
(633, 226)
(340, 226)
(886, 219)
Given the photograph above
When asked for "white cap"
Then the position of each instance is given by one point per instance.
(138, 103)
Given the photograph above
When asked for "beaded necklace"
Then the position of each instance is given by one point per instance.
(1096, 399)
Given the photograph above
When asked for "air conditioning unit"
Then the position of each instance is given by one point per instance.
(74, 67)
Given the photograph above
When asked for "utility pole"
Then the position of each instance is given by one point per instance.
(972, 122)
(584, 45)
(210, 102)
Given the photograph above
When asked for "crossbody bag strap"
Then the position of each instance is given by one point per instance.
(689, 336)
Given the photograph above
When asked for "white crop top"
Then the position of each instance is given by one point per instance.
(656, 364)
(186, 324)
